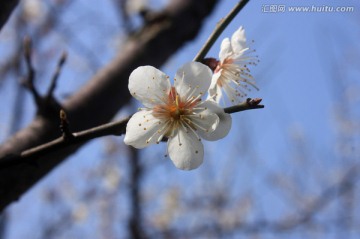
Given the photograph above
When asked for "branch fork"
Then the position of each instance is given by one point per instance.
(47, 105)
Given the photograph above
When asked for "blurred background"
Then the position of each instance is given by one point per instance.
(290, 170)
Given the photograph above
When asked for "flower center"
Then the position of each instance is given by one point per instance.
(177, 112)
(174, 108)
(223, 66)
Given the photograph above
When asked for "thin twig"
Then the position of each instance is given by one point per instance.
(46, 105)
(221, 25)
(114, 128)
(249, 104)
(56, 75)
(29, 80)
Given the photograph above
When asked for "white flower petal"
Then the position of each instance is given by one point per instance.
(225, 49)
(204, 120)
(238, 41)
(143, 129)
(215, 92)
(192, 79)
(149, 85)
(239, 57)
(223, 125)
(185, 150)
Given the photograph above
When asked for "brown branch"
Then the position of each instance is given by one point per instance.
(47, 105)
(222, 24)
(135, 223)
(103, 96)
(117, 128)
(299, 218)
(55, 77)
(330, 193)
(6, 8)
(31, 156)
(249, 104)
(29, 80)
(64, 126)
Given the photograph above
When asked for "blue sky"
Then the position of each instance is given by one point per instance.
(302, 55)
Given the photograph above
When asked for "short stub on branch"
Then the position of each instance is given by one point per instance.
(64, 126)
(249, 104)
(254, 102)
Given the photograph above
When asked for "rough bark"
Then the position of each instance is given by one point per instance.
(101, 98)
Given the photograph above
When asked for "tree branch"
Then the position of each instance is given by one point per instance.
(249, 104)
(47, 106)
(56, 75)
(297, 219)
(29, 80)
(222, 24)
(117, 128)
(6, 8)
(99, 100)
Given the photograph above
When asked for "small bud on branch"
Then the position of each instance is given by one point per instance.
(64, 126)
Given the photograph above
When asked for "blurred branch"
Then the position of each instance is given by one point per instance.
(117, 128)
(340, 188)
(136, 219)
(222, 24)
(55, 77)
(46, 105)
(6, 8)
(29, 80)
(22, 26)
(99, 100)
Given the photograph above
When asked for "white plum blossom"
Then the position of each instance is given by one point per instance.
(231, 72)
(175, 112)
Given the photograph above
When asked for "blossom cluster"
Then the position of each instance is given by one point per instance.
(177, 113)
